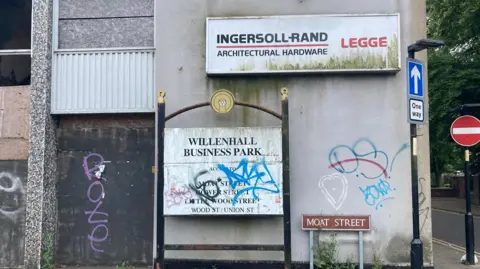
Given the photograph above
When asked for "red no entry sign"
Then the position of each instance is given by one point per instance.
(465, 130)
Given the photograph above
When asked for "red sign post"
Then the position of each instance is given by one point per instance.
(465, 131)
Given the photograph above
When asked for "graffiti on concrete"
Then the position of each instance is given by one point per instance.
(95, 194)
(379, 191)
(335, 189)
(422, 203)
(13, 186)
(365, 161)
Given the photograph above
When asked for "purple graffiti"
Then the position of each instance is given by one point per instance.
(175, 196)
(98, 219)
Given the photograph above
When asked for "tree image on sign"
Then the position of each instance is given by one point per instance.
(465, 131)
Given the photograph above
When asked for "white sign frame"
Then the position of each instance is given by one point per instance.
(208, 62)
(247, 181)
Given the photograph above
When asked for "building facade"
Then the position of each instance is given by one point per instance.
(95, 70)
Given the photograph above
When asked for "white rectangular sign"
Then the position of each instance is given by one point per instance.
(309, 43)
(417, 111)
(223, 171)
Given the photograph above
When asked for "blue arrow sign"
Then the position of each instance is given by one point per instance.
(415, 78)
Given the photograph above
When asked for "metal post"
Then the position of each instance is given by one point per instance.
(310, 244)
(287, 230)
(416, 246)
(159, 261)
(469, 232)
(360, 250)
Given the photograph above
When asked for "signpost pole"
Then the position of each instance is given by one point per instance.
(311, 245)
(287, 225)
(160, 231)
(416, 246)
(469, 232)
(416, 101)
(360, 250)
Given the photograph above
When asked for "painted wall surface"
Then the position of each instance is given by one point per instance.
(105, 213)
(349, 151)
(13, 183)
(105, 23)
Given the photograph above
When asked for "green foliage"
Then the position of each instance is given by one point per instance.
(325, 255)
(213, 267)
(48, 253)
(453, 76)
(124, 265)
(377, 262)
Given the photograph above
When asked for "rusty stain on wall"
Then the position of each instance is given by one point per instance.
(14, 122)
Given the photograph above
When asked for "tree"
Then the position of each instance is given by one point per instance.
(454, 76)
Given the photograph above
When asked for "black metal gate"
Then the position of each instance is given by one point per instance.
(159, 262)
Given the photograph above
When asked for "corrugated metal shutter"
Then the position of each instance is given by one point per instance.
(103, 81)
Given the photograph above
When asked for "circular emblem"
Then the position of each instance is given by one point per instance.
(222, 101)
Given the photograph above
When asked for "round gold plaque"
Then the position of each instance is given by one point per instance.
(222, 101)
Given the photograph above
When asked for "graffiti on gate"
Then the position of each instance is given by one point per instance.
(365, 161)
(95, 194)
(13, 186)
(257, 178)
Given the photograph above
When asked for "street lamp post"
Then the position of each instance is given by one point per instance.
(416, 251)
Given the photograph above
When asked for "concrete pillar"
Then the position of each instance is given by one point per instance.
(41, 198)
(418, 31)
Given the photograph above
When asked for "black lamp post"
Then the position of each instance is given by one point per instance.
(416, 251)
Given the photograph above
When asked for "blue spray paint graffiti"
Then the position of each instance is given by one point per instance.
(250, 179)
(376, 194)
(365, 160)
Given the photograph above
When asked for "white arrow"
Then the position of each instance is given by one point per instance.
(415, 74)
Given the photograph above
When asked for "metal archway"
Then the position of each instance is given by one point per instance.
(159, 262)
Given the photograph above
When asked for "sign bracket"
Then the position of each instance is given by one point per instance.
(222, 101)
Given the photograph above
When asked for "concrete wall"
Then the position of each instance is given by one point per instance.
(13, 173)
(105, 24)
(13, 179)
(342, 116)
(108, 221)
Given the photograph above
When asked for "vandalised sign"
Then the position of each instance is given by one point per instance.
(336, 223)
(223, 171)
(309, 43)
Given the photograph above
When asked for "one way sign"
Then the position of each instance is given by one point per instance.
(416, 105)
(415, 78)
